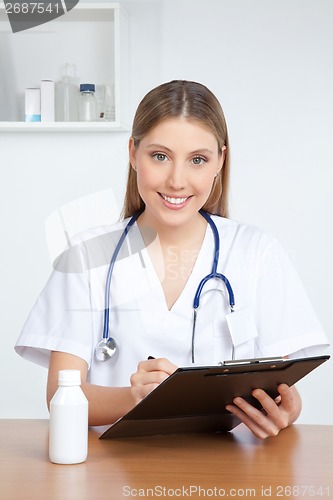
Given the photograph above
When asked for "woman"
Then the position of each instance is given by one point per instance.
(179, 164)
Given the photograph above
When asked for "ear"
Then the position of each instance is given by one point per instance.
(223, 155)
(132, 152)
(222, 160)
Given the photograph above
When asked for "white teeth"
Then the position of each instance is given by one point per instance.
(174, 201)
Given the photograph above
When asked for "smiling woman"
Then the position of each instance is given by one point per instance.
(174, 174)
(177, 189)
(192, 102)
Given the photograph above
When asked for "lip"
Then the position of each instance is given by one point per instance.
(173, 202)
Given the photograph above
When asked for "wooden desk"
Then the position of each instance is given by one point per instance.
(298, 463)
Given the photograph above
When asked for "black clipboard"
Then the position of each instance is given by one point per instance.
(193, 399)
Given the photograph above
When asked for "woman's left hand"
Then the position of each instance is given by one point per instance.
(275, 414)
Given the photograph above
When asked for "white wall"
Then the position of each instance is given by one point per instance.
(270, 64)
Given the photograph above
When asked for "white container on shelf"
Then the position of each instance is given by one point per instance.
(32, 105)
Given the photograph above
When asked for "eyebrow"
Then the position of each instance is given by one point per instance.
(197, 151)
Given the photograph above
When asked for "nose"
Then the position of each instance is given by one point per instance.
(176, 177)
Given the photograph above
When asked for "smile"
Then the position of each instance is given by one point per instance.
(174, 201)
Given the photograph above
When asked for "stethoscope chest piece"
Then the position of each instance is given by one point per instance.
(105, 349)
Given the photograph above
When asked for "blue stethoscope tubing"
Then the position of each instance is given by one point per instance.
(110, 272)
(213, 275)
(106, 352)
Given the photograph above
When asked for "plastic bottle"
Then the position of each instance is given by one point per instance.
(68, 436)
(88, 103)
(66, 97)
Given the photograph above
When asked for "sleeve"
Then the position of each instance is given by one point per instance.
(286, 321)
(61, 319)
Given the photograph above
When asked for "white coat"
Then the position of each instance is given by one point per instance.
(272, 308)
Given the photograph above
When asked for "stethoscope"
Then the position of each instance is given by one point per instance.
(107, 346)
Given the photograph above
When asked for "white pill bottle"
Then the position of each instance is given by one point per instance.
(68, 433)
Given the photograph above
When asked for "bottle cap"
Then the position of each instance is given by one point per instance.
(69, 377)
(87, 87)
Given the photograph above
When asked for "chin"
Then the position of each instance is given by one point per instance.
(175, 218)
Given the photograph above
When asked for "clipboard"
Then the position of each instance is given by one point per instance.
(193, 399)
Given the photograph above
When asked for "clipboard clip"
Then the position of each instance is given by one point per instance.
(251, 361)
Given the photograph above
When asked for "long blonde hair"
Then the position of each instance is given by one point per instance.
(194, 101)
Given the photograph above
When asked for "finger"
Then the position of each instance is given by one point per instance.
(162, 364)
(287, 398)
(158, 364)
(141, 391)
(143, 377)
(269, 420)
(257, 425)
(149, 375)
(268, 404)
(277, 414)
(144, 390)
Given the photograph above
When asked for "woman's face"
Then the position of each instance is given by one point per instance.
(176, 163)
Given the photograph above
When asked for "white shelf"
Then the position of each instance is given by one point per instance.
(63, 127)
(94, 36)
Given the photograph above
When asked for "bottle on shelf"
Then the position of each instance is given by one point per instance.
(68, 436)
(109, 104)
(66, 96)
(88, 108)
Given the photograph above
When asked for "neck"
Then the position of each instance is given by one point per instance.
(182, 235)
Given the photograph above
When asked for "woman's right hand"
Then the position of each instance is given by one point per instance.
(149, 375)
